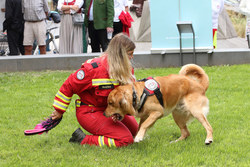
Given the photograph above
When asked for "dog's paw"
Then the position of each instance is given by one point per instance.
(208, 141)
(174, 141)
(138, 139)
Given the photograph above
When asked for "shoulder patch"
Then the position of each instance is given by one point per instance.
(94, 65)
(80, 75)
(151, 84)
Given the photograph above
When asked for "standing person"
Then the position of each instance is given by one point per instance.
(92, 83)
(245, 9)
(217, 7)
(35, 14)
(119, 6)
(14, 24)
(70, 40)
(99, 20)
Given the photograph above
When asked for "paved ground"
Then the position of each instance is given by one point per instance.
(233, 43)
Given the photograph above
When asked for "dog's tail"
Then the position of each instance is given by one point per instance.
(196, 73)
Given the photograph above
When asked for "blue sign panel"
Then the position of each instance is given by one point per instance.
(164, 32)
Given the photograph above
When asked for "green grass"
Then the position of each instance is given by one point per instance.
(26, 98)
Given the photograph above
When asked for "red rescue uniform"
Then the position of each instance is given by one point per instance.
(93, 85)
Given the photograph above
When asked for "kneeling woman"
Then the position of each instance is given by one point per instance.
(93, 83)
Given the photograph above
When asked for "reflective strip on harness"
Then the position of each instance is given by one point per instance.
(97, 82)
(64, 98)
(60, 105)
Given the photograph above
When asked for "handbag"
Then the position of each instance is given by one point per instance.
(78, 18)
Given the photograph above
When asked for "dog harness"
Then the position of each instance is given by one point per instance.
(151, 88)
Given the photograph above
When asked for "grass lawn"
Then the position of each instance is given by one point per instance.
(26, 98)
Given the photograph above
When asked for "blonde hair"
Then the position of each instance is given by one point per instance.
(120, 67)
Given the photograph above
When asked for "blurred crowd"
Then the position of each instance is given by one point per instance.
(82, 23)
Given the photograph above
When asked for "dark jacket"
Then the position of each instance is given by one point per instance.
(103, 11)
(13, 16)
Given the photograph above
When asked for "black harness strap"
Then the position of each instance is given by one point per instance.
(145, 94)
(134, 97)
(158, 94)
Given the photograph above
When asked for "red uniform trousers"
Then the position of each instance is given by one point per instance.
(105, 131)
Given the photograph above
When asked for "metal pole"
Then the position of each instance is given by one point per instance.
(181, 56)
(194, 58)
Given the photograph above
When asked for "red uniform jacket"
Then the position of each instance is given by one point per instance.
(126, 20)
(91, 83)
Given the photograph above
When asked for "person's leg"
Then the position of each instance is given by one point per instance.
(28, 38)
(40, 34)
(131, 124)
(105, 131)
(42, 49)
(12, 42)
(102, 37)
(118, 27)
(94, 42)
(28, 49)
(20, 43)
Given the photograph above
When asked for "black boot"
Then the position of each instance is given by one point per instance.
(77, 136)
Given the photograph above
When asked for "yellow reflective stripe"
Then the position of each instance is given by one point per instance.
(78, 103)
(96, 82)
(111, 142)
(215, 40)
(64, 98)
(60, 105)
(101, 141)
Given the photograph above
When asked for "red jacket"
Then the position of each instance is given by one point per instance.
(126, 20)
(91, 83)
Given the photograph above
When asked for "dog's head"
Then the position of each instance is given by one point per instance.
(119, 104)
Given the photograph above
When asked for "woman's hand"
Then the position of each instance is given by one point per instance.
(75, 8)
(110, 29)
(56, 115)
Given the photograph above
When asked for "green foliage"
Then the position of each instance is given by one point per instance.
(26, 98)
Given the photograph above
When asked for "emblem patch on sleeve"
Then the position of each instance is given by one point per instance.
(80, 74)
(151, 84)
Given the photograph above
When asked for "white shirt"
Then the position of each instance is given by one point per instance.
(91, 17)
(119, 6)
(217, 7)
(79, 3)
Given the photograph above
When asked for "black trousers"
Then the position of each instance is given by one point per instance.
(118, 27)
(15, 42)
(97, 38)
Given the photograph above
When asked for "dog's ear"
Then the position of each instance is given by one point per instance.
(123, 103)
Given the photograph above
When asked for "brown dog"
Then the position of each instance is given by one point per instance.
(183, 95)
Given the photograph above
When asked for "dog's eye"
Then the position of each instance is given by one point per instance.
(110, 103)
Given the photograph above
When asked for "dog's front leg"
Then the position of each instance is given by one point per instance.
(147, 124)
